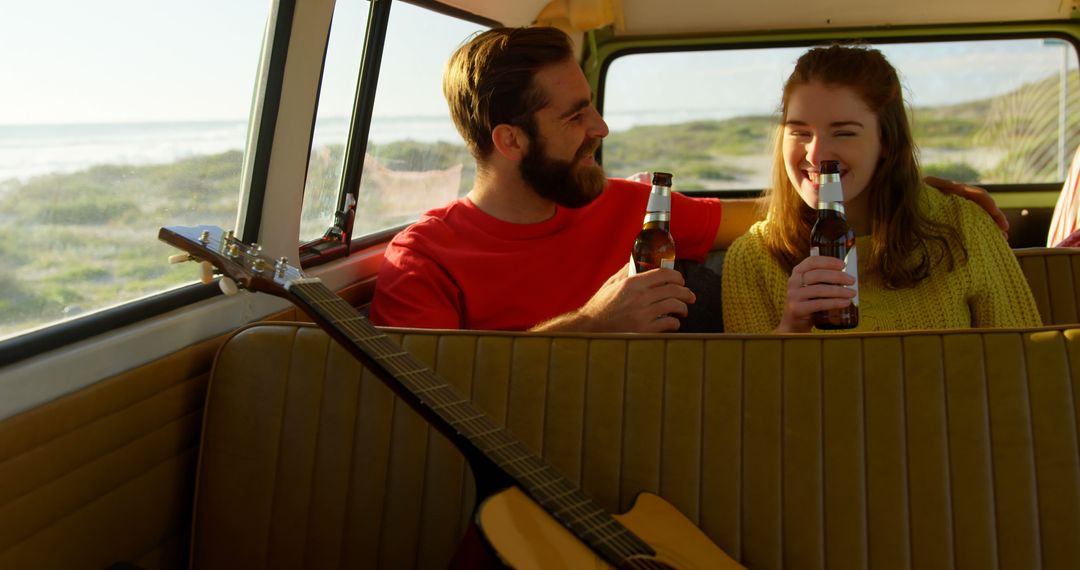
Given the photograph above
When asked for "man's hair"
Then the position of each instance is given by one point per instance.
(906, 244)
(489, 81)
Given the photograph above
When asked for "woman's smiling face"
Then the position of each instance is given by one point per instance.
(830, 123)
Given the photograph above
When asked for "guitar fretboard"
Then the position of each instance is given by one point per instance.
(562, 499)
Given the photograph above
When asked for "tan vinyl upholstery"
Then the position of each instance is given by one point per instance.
(1054, 277)
(909, 450)
(106, 474)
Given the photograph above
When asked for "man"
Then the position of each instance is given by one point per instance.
(542, 241)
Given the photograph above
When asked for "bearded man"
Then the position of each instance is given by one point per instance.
(542, 241)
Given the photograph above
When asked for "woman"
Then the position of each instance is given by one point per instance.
(926, 260)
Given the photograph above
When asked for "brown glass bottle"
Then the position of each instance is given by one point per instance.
(654, 246)
(833, 237)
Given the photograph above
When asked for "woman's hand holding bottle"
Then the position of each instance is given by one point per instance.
(818, 283)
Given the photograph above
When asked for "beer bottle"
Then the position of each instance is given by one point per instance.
(833, 237)
(654, 246)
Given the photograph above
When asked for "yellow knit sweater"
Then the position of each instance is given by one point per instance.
(988, 291)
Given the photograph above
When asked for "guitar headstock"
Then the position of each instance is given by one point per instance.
(245, 264)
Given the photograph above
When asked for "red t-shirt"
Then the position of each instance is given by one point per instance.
(458, 267)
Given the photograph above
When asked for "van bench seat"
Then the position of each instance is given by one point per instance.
(921, 449)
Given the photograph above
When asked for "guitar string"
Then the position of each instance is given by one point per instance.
(609, 532)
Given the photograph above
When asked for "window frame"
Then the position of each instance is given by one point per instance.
(338, 240)
(609, 49)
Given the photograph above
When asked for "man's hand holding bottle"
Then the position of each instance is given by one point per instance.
(652, 301)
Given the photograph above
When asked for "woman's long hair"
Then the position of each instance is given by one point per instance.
(905, 244)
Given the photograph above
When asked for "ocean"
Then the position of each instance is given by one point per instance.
(27, 151)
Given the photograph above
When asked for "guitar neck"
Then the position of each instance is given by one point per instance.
(468, 427)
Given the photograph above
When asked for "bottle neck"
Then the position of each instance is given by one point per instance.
(663, 217)
(659, 207)
(652, 224)
(837, 207)
(830, 192)
(659, 199)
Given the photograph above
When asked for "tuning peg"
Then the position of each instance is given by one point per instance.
(206, 273)
(228, 286)
(180, 258)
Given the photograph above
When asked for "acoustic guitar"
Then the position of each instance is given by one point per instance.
(529, 516)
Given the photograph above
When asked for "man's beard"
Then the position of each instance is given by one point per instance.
(562, 181)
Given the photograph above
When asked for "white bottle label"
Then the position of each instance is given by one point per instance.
(633, 266)
(658, 203)
(852, 268)
(831, 192)
(667, 263)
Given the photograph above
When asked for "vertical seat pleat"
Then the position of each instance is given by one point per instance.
(1062, 288)
(301, 413)
(1072, 346)
(970, 465)
(888, 526)
(680, 459)
(762, 460)
(722, 444)
(803, 516)
(1035, 271)
(928, 453)
(605, 392)
(642, 417)
(329, 480)
(368, 473)
(1057, 458)
(244, 414)
(1074, 270)
(444, 479)
(844, 455)
(491, 393)
(528, 391)
(405, 473)
(1015, 496)
(564, 409)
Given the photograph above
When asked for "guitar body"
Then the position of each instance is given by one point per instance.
(524, 536)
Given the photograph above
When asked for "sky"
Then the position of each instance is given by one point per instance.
(72, 61)
(751, 80)
(128, 60)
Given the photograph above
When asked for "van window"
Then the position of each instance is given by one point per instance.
(415, 158)
(987, 111)
(114, 122)
(341, 71)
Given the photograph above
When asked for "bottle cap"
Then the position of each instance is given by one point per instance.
(661, 179)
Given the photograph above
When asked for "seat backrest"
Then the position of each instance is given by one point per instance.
(1054, 277)
(907, 450)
